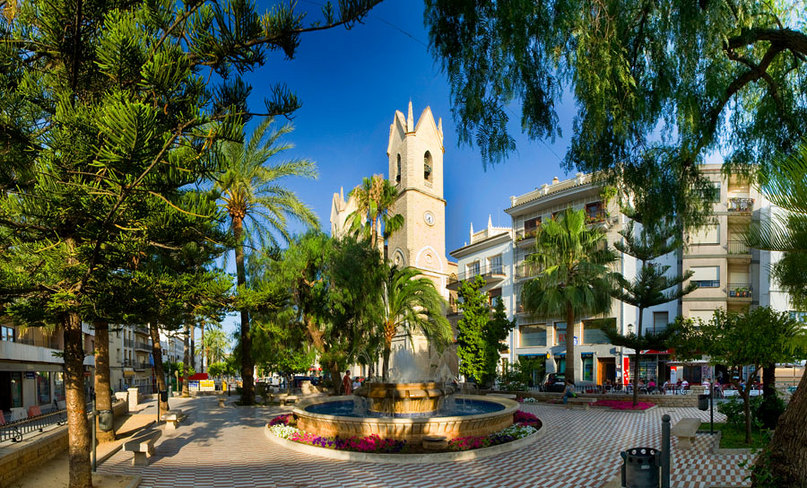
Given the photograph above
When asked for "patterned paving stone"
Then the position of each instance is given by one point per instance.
(227, 448)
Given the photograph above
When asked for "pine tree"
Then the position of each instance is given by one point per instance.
(472, 347)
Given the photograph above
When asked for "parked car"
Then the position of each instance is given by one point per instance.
(555, 382)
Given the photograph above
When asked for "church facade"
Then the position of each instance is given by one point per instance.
(415, 166)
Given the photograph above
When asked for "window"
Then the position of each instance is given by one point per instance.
(7, 334)
(427, 166)
(398, 172)
(58, 386)
(532, 335)
(588, 367)
(496, 264)
(493, 295)
(706, 235)
(473, 269)
(595, 212)
(560, 333)
(660, 321)
(561, 365)
(43, 387)
(712, 194)
(531, 226)
(706, 276)
(593, 330)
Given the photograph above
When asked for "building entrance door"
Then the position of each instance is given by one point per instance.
(606, 370)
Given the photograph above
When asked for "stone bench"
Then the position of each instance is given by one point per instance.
(685, 430)
(283, 398)
(141, 445)
(171, 419)
(580, 401)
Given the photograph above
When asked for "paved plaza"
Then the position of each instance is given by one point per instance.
(227, 447)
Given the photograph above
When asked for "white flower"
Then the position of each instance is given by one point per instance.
(519, 431)
(283, 431)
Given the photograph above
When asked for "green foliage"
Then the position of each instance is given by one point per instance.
(574, 279)
(172, 367)
(523, 373)
(471, 346)
(638, 102)
(497, 330)
(373, 216)
(217, 369)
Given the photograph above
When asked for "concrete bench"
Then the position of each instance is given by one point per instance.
(580, 401)
(685, 430)
(171, 419)
(283, 398)
(141, 445)
(17, 414)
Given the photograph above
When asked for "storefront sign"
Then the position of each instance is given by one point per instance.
(626, 370)
(207, 385)
(30, 375)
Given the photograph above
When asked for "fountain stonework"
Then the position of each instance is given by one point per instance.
(411, 429)
(403, 398)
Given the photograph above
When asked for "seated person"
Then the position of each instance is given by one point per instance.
(568, 392)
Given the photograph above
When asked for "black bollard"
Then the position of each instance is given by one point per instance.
(665, 451)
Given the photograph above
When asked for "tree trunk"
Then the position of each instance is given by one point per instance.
(103, 390)
(637, 356)
(157, 354)
(203, 356)
(185, 364)
(787, 451)
(336, 375)
(769, 381)
(385, 364)
(570, 369)
(746, 393)
(78, 448)
(247, 364)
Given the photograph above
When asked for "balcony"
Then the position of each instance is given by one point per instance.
(526, 238)
(738, 252)
(740, 209)
(141, 330)
(17, 351)
(493, 275)
(142, 346)
(740, 292)
(527, 270)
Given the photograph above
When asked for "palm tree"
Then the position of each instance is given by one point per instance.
(373, 216)
(785, 185)
(251, 192)
(411, 302)
(574, 279)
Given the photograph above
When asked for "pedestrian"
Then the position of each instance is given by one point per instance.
(347, 384)
(569, 392)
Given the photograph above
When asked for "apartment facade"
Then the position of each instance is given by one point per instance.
(31, 366)
(729, 275)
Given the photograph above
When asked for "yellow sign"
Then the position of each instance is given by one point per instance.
(207, 385)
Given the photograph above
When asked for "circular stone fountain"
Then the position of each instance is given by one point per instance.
(404, 399)
(346, 416)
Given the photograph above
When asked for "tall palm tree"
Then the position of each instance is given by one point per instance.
(574, 279)
(411, 302)
(251, 192)
(373, 217)
(785, 184)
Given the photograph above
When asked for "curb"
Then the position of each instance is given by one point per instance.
(440, 457)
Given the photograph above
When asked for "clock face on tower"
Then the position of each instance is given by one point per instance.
(428, 217)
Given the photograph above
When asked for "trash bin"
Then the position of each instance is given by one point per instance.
(640, 467)
(105, 420)
(163, 395)
(703, 402)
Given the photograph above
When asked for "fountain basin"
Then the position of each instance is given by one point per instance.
(408, 429)
(403, 398)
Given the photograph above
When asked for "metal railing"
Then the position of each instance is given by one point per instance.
(740, 290)
(738, 247)
(16, 430)
(524, 235)
(482, 271)
(527, 270)
(142, 346)
(740, 204)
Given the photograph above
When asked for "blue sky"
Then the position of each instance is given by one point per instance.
(351, 82)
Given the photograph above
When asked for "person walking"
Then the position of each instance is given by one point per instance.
(347, 384)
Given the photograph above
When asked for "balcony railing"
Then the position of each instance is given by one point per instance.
(527, 270)
(740, 204)
(484, 271)
(740, 290)
(524, 236)
(142, 346)
(738, 247)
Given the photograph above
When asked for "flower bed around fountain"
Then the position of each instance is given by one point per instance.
(287, 427)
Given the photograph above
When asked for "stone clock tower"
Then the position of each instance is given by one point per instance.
(415, 153)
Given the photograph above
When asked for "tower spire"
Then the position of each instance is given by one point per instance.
(490, 222)
(472, 232)
(410, 119)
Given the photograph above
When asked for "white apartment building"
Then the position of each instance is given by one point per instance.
(730, 276)
(31, 366)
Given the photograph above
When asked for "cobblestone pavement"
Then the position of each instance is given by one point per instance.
(227, 447)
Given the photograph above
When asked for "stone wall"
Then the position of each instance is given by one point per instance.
(29, 454)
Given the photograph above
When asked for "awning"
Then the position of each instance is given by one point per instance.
(128, 372)
(654, 351)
